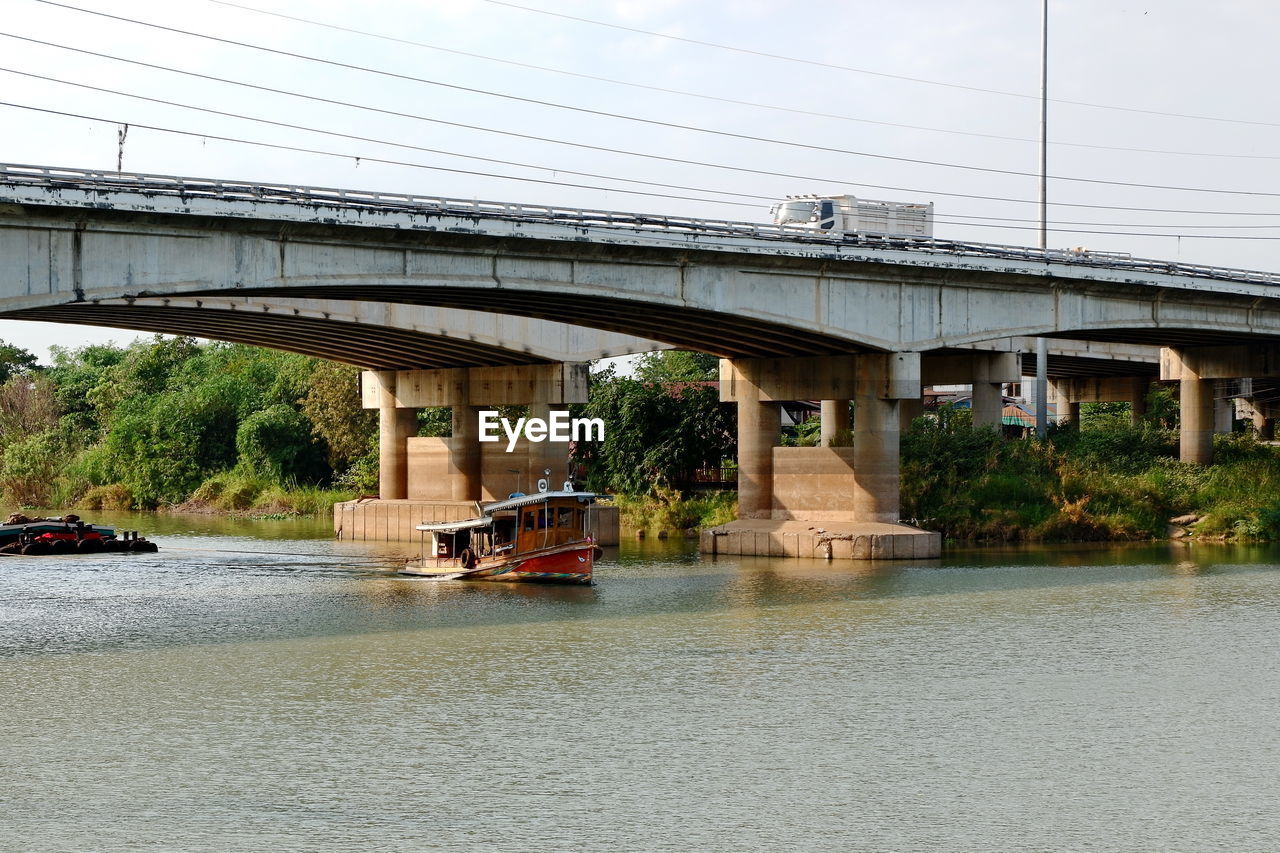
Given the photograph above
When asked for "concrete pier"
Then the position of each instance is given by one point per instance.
(1196, 421)
(443, 479)
(875, 442)
(395, 425)
(835, 421)
(758, 429)
(826, 501)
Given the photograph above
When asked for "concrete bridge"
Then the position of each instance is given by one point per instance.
(372, 278)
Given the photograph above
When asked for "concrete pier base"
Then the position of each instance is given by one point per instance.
(822, 540)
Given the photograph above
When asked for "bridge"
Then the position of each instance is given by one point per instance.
(431, 293)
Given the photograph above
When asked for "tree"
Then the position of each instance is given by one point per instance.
(28, 468)
(14, 361)
(333, 407)
(659, 426)
(27, 407)
(275, 443)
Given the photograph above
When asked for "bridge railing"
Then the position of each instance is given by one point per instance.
(687, 227)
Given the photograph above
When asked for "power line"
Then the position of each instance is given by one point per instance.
(377, 141)
(657, 122)
(357, 157)
(720, 99)
(835, 67)
(609, 150)
(957, 219)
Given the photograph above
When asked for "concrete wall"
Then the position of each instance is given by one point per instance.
(429, 469)
(813, 483)
(393, 521)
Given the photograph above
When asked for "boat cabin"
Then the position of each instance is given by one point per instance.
(519, 525)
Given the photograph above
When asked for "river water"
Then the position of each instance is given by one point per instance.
(257, 686)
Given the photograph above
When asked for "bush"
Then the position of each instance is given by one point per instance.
(667, 511)
(275, 443)
(115, 497)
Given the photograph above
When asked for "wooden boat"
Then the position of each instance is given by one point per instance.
(538, 538)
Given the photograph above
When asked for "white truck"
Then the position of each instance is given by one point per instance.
(851, 215)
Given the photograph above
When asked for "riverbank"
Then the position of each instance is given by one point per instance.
(1117, 484)
(230, 494)
(1123, 483)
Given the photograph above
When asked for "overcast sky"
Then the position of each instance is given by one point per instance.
(1173, 93)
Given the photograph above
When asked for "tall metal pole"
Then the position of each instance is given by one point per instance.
(1044, 125)
(1042, 345)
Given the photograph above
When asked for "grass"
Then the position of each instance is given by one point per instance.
(248, 494)
(668, 512)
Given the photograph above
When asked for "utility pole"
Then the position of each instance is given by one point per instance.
(1042, 344)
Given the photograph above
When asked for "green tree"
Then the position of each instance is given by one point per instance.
(29, 466)
(75, 374)
(27, 406)
(14, 360)
(275, 442)
(659, 426)
(333, 408)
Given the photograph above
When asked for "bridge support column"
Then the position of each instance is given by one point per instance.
(759, 423)
(835, 418)
(1068, 394)
(876, 436)
(1224, 414)
(1195, 413)
(829, 502)
(987, 402)
(1138, 400)
(395, 426)
(986, 372)
(908, 411)
(464, 453)
(1195, 369)
(455, 469)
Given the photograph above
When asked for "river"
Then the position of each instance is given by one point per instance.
(258, 686)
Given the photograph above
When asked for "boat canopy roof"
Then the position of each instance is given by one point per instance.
(536, 498)
(448, 526)
(498, 506)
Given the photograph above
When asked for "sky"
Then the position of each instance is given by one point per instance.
(1163, 128)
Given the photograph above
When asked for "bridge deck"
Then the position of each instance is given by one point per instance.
(56, 181)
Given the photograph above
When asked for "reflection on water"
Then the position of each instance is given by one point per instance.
(258, 684)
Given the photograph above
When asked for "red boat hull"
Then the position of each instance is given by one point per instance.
(569, 563)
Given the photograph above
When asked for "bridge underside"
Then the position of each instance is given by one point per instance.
(679, 326)
(1067, 366)
(350, 343)
(361, 334)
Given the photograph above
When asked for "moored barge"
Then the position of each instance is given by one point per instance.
(67, 534)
